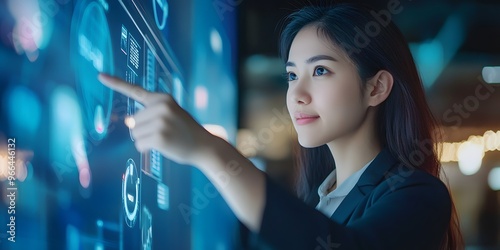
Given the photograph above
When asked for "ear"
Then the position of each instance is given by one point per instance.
(378, 88)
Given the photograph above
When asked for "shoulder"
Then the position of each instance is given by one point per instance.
(412, 183)
(407, 207)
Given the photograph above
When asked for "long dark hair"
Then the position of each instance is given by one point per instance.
(405, 124)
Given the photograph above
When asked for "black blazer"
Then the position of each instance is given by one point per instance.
(391, 207)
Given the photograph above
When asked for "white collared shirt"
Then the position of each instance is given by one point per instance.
(329, 202)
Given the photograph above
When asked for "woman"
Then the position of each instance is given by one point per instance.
(368, 171)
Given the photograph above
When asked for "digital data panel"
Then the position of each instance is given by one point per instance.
(81, 183)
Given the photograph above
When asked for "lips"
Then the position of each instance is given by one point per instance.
(302, 118)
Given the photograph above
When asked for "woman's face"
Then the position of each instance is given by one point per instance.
(324, 95)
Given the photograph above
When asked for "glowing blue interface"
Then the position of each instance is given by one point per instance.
(77, 180)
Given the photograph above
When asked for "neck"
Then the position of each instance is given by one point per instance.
(353, 151)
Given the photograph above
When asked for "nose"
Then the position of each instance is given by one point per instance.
(298, 92)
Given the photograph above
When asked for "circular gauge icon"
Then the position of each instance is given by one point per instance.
(130, 193)
(91, 53)
(160, 9)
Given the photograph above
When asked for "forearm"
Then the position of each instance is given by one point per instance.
(240, 183)
(165, 126)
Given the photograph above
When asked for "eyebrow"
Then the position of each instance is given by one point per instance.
(313, 59)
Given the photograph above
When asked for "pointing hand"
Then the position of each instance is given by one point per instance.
(162, 125)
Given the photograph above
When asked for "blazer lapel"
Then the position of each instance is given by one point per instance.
(367, 182)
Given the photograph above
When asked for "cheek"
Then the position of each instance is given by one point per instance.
(289, 100)
(342, 106)
(341, 97)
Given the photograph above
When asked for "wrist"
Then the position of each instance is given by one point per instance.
(206, 151)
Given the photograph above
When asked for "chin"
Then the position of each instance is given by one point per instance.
(310, 143)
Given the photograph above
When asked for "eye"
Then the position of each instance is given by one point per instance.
(319, 71)
(290, 76)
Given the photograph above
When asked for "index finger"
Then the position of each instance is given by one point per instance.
(133, 91)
